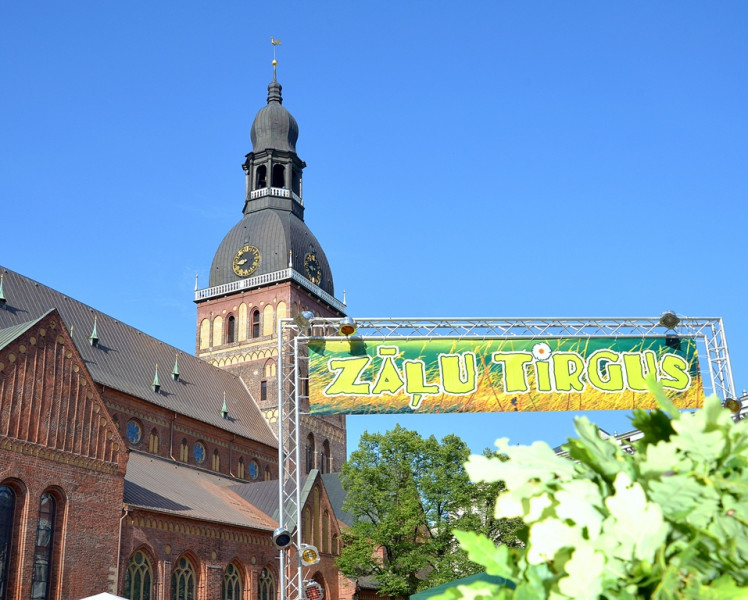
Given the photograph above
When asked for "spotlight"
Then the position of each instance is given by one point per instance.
(309, 555)
(313, 590)
(732, 405)
(347, 326)
(669, 320)
(303, 318)
(281, 537)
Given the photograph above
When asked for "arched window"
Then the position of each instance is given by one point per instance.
(279, 176)
(43, 553)
(263, 391)
(255, 323)
(139, 577)
(184, 451)
(266, 585)
(270, 368)
(267, 473)
(134, 432)
(325, 532)
(306, 524)
(326, 465)
(240, 468)
(153, 442)
(216, 461)
(230, 329)
(232, 584)
(310, 450)
(183, 581)
(7, 514)
(261, 177)
(315, 516)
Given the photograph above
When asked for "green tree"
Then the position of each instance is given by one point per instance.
(407, 494)
(667, 522)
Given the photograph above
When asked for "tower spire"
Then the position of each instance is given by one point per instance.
(275, 43)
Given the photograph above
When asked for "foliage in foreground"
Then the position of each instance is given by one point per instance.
(669, 521)
(407, 494)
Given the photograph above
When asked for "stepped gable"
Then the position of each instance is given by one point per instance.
(124, 359)
(49, 404)
(161, 485)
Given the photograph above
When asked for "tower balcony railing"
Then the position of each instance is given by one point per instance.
(265, 279)
(274, 191)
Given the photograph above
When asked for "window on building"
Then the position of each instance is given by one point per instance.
(153, 442)
(43, 552)
(216, 461)
(315, 516)
(266, 585)
(184, 451)
(326, 465)
(279, 176)
(230, 329)
(310, 450)
(138, 577)
(240, 468)
(254, 469)
(267, 473)
(325, 532)
(255, 323)
(261, 177)
(270, 369)
(263, 391)
(183, 581)
(7, 515)
(232, 584)
(134, 432)
(199, 453)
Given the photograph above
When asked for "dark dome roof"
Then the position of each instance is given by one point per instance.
(273, 233)
(274, 127)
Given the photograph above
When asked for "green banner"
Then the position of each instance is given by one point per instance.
(440, 375)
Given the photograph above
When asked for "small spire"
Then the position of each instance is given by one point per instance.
(274, 89)
(2, 296)
(290, 259)
(195, 281)
(175, 370)
(94, 337)
(224, 408)
(275, 44)
(344, 302)
(156, 385)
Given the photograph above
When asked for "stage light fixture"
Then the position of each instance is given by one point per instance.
(347, 326)
(303, 318)
(313, 590)
(732, 405)
(669, 320)
(281, 537)
(309, 555)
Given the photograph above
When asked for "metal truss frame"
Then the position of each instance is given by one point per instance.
(293, 369)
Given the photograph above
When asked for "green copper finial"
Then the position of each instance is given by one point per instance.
(94, 338)
(156, 385)
(175, 370)
(224, 408)
(2, 296)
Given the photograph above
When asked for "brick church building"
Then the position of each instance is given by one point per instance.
(128, 466)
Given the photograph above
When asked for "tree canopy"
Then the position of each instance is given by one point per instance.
(407, 494)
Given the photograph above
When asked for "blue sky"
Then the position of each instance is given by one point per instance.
(472, 159)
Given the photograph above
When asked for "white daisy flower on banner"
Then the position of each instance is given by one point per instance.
(541, 351)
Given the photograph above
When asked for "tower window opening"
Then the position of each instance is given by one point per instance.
(261, 177)
(255, 323)
(230, 328)
(279, 176)
(263, 391)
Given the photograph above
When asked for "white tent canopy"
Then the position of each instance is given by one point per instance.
(104, 596)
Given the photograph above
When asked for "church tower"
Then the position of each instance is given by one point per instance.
(270, 266)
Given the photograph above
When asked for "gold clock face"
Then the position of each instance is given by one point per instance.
(312, 268)
(246, 261)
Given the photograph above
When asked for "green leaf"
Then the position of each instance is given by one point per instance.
(584, 570)
(495, 559)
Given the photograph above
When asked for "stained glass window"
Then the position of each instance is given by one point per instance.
(45, 533)
(7, 510)
(138, 577)
(134, 432)
(266, 585)
(232, 584)
(183, 581)
(199, 453)
(254, 469)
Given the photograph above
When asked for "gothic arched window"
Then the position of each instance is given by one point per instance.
(43, 553)
(153, 442)
(232, 584)
(266, 585)
(310, 450)
(183, 581)
(7, 514)
(325, 467)
(138, 577)
(255, 323)
(230, 329)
